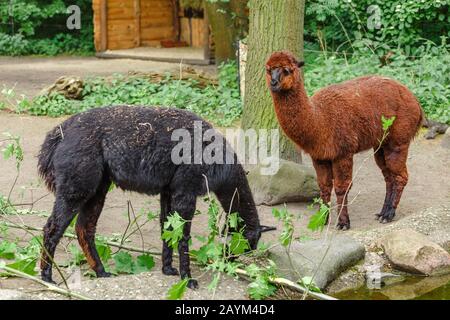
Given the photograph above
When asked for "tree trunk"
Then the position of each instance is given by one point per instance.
(223, 31)
(274, 25)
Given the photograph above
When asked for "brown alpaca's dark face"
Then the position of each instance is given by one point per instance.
(282, 71)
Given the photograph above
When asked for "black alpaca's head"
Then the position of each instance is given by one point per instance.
(282, 71)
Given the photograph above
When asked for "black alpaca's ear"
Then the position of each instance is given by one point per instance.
(301, 64)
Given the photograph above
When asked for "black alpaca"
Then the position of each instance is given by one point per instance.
(131, 146)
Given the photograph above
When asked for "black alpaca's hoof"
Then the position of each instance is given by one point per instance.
(103, 274)
(170, 271)
(192, 284)
(47, 278)
(386, 216)
(344, 226)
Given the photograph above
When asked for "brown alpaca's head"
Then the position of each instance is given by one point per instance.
(282, 71)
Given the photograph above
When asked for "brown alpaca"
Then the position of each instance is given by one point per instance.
(341, 120)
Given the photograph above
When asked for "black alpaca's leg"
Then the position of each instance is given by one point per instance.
(167, 251)
(396, 163)
(342, 174)
(86, 226)
(381, 162)
(184, 203)
(63, 213)
(324, 171)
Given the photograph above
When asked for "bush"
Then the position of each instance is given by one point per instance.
(221, 104)
(404, 24)
(39, 27)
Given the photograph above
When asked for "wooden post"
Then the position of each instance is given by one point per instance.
(207, 46)
(176, 19)
(137, 22)
(104, 25)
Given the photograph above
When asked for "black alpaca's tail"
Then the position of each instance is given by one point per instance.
(45, 157)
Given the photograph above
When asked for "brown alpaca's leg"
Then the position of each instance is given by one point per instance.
(342, 174)
(324, 171)
(86, 226)
(396, 163)
(381, 162)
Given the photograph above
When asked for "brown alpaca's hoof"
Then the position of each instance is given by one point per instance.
(344, 226)
(103, 274)
(386, 216)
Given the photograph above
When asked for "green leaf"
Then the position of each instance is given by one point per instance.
(123, 262)
(308, 282)
(234, 220)
(319, 219)
(77, 255)
(8, 250)
(104, 250)
(144, 263)
(26, 266)
(173, 229)
(176, 292)
(261, 288)
(238, 244)
(387, 122)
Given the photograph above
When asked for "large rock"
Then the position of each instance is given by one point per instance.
(413, 252)
(324, 259)
(6, 294)
(446, 139)
(292, 183)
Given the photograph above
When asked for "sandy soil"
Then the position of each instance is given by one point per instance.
(428, 166)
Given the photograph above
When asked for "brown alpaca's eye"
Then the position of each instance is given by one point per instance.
(287, 71)
(268, 70)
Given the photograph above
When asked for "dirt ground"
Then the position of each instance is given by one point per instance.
(31, 74)
(428, 186)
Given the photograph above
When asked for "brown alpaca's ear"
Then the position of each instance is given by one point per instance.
(301, 64)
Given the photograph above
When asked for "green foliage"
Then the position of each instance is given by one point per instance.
(8, 250)
(173, 229)
(39, 27)
(288, 226)
(21, 258)
(387, 122)
(13, 149)
(220, 104)
(261, 287)
(349, 24)
(319, 219)
(309, 283)
(176, 292)
(124, 263)
(26, 265)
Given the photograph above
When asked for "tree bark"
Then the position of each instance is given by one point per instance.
(223, 30)
(274, 25)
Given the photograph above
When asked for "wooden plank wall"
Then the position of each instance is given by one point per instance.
(133, 23)
(156, 21)
(196, 29)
